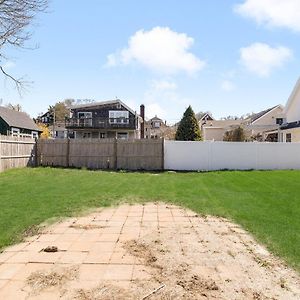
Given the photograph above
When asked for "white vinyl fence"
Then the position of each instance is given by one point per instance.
(230, 155)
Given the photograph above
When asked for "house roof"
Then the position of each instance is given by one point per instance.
(202, 116)
(257, 116)
(292, 96)
(17, 119)
(156, 119)
(290, 125)
(100, 103)
(221, 123)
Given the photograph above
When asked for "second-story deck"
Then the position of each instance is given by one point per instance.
(101, 123)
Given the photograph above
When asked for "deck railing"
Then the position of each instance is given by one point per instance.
(102, 123)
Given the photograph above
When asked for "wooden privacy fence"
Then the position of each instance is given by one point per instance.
(16, 152)
(102, 154)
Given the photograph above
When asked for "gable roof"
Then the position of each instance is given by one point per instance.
(156, 119)
(222, 123)
(95, 104)
(292, 96)
(203, 115)
(259, 115)
(17, 119)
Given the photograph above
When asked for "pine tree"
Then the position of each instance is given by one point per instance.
(188, 129)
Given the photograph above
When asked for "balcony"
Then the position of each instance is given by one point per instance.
(101, 123)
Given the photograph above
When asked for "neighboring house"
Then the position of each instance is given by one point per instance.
(46, 118)
(214, 130)
(57, 129)
(155, 128)
(202, 119)
(16, 123)
(108, 119)
(289, 131)
(263, 126)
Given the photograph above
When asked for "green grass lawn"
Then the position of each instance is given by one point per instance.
(264, 202)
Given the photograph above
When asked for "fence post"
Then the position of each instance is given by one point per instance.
(36, 153)
(116, 153)
(68, 153)
(163, 154)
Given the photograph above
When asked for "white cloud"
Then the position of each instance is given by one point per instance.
(159, 49)
(261, 58)
(227, 86)
(111, 60)
(154, 109)
(273, 13)
(163, 85)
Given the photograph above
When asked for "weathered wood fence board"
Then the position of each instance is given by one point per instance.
(102, 154)
(140, 154)
(16, 152)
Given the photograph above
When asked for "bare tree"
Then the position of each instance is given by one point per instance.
(15, 17)
(16, 107)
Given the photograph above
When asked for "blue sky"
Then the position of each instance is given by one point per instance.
(230, 57)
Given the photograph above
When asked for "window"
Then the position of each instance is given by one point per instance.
(15, 131)
(85, 119)
(279, 121)
(86, 135)
(84, 115)
(102, 135)
(118, 117)
(288, 138)
(156, 124)
(122, 135)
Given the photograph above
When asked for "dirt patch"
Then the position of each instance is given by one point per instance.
(142, 251)
(197, 284)
(167, 266)
(86, 227)
(32, 230)
(41, 280)
(103, 292)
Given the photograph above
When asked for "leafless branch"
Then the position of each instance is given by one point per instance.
(15, 17)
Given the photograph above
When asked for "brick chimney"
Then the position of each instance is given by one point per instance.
(142, 114)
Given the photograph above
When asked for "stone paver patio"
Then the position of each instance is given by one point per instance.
(93, 246)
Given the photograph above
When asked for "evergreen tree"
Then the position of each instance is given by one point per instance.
(188, 129)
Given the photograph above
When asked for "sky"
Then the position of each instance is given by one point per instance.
(229, 57)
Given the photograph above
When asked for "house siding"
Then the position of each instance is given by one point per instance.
(4, 128)
(100, 112)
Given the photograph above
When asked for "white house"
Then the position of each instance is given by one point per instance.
(290, 130)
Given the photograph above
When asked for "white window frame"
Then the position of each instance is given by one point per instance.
(88, 115)
(286, 137)
(15, 131)
(122, 134)
(34, 134)
(118, 116)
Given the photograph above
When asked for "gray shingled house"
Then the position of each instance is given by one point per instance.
(17, 123)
